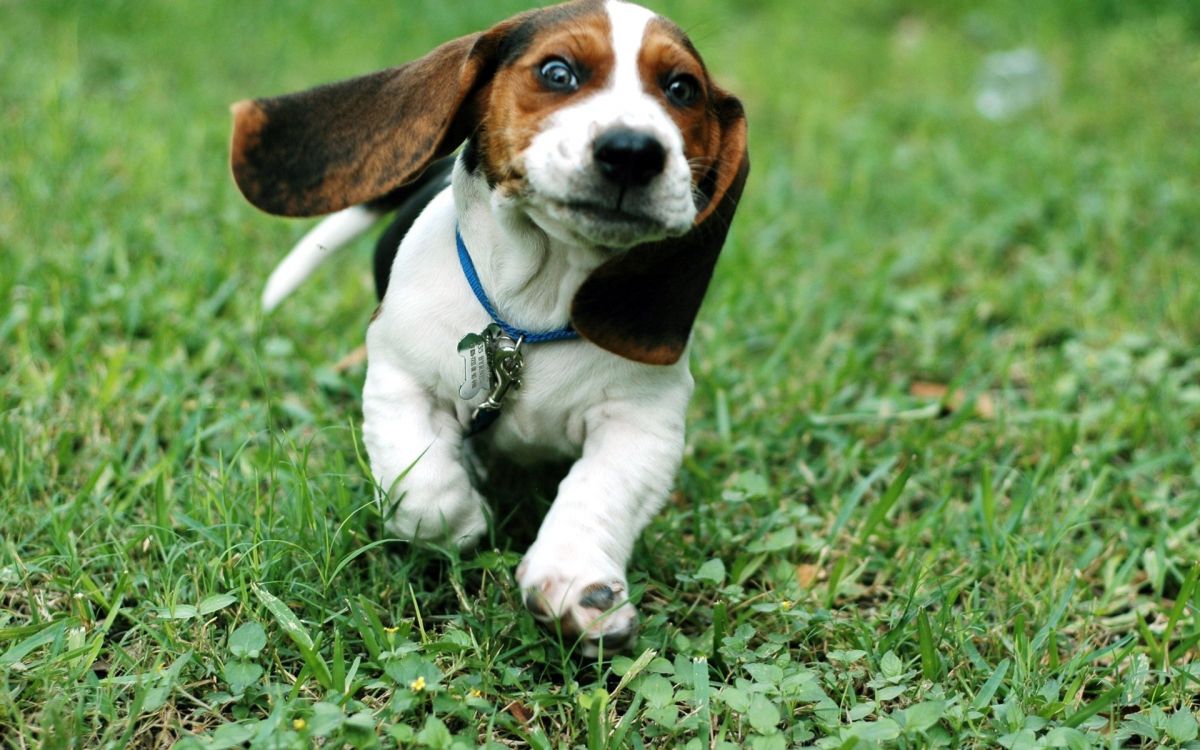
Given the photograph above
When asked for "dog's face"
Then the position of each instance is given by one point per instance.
(600, 125)
(596, 118)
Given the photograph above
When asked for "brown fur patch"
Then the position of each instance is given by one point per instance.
(350, 142)
(666, 52)
(517, 101)
(248, 123)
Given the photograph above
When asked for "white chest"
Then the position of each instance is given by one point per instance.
(429, 308)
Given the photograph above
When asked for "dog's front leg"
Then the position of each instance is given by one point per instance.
(574, 574)
(416, 452)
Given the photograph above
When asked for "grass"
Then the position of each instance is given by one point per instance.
(941, 487)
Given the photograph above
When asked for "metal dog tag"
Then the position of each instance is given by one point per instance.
(476, 351)
(506, 362)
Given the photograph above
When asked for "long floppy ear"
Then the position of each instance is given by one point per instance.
(642, 303)
(349, 142)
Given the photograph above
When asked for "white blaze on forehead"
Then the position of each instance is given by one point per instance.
(628, 23)
(624, 101)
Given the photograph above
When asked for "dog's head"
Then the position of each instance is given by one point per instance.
(597, 119)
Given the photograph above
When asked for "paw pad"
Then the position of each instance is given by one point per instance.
(597, 613)
(597, 596)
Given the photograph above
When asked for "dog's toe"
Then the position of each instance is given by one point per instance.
(598, 614)
(535, 602)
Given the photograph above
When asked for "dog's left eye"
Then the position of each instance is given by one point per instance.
(558, 76)
(682, 90)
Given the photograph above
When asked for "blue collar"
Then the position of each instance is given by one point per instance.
(516, 334)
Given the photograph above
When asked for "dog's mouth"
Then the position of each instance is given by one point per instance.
(604, 221)
(607, 226)
(620, 216)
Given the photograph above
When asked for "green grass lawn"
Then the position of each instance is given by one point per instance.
(941, 487)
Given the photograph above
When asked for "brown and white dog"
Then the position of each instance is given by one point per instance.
(600, 172)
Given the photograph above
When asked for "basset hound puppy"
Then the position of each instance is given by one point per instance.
(538, 289)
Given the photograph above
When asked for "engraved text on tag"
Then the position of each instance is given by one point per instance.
(477, 371)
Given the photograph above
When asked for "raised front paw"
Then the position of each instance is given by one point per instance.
(587, 601)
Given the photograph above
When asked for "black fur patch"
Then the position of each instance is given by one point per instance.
(408, 202)
(472, 155)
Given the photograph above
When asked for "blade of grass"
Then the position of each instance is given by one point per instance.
(930, 663)
(295, 630)
(988, 691)
(856, 496)
(1181, 601)
(880, 509)
(1099, 704)
(1039, 639)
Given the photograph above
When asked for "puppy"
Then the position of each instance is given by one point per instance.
(539, 289)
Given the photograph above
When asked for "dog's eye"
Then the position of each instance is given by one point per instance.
(682, 90)
(558, 76)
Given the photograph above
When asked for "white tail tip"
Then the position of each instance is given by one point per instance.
(321, 242)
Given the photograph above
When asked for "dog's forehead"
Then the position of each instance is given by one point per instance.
(611, 29)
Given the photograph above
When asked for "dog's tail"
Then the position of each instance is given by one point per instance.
(316, 247)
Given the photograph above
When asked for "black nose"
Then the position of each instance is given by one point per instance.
(628, 157)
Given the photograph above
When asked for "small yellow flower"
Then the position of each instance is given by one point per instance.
(786, 604)
(390, 635)
(417, 685)
(299, 724)
(475, 694)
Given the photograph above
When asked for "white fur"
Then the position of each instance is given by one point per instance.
(313, 249)
(621, 422)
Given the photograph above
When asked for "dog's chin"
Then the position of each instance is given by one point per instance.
(602, 226)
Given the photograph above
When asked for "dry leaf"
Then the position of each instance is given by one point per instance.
(926, 389)
(353, 359)
(519, 712)
(985, 406)
(806, 575)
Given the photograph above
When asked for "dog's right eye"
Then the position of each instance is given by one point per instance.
(557, 76)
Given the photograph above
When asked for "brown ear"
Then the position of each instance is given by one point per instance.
(642, 303)
(349, 142)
